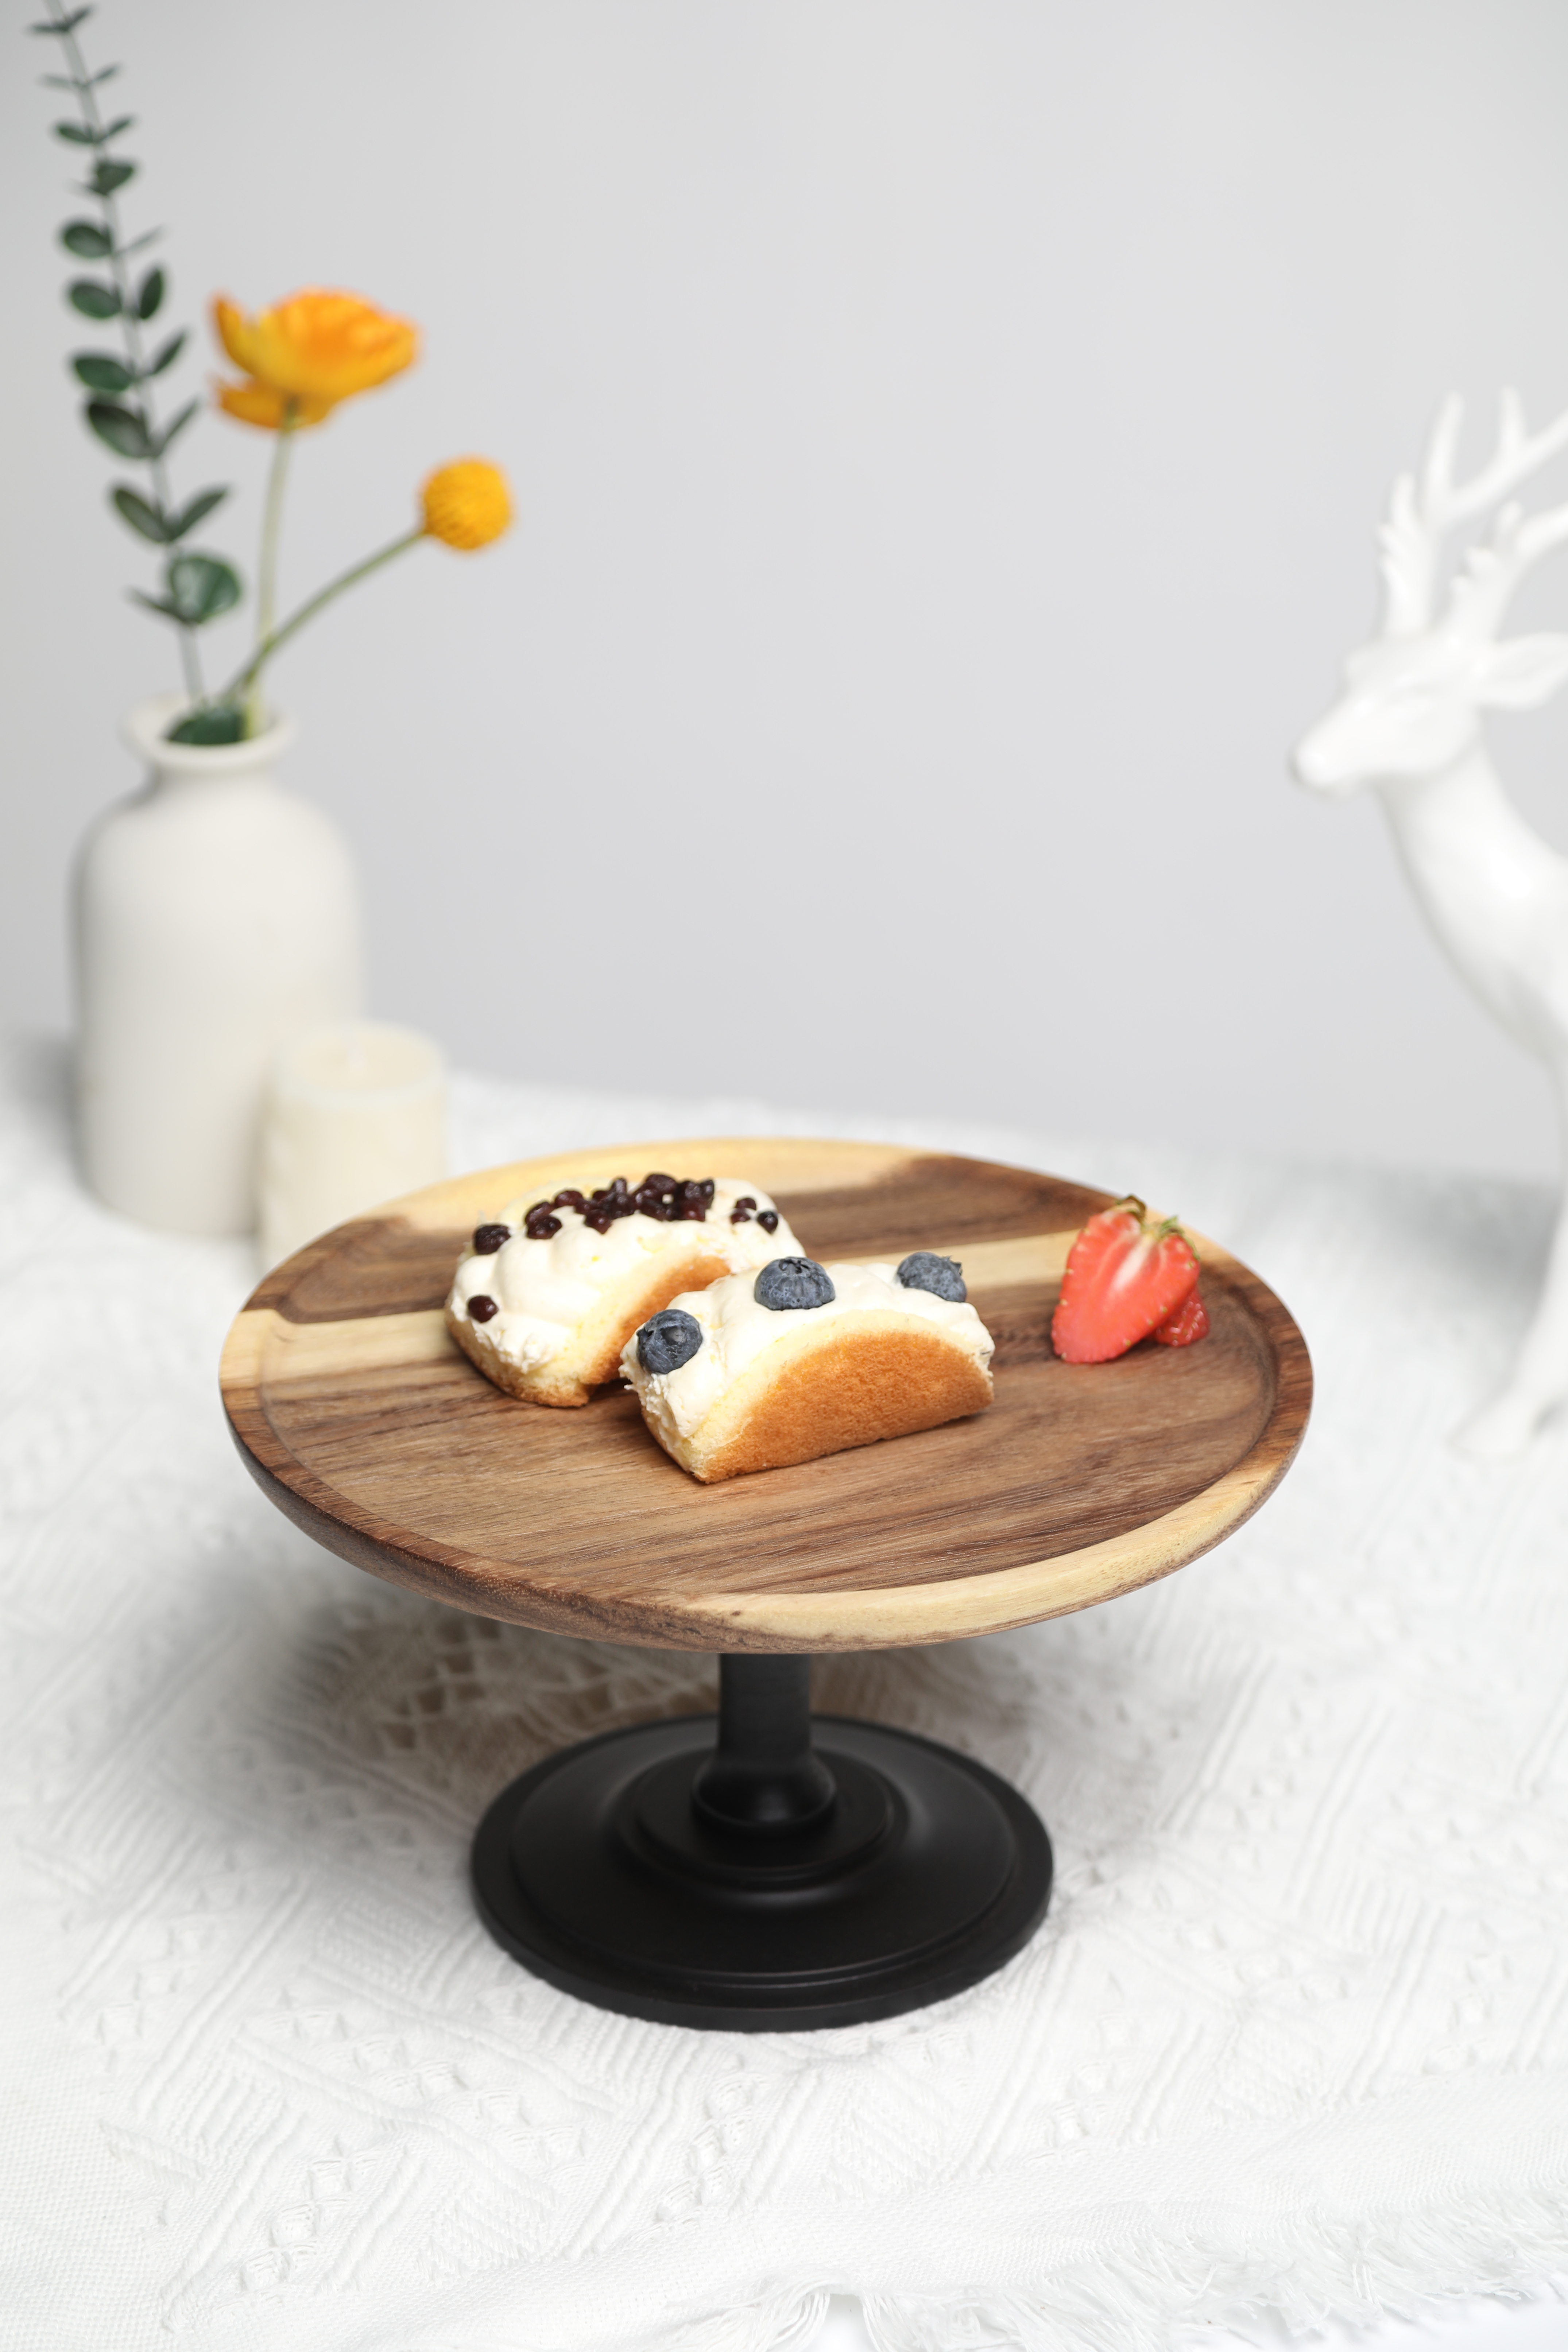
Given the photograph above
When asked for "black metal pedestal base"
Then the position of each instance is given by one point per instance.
(757, 1880)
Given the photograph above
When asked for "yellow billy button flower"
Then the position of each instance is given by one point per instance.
(309, 353)
(467, 504)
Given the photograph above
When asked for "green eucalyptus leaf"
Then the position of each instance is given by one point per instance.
(120, 428)
(200, 507)
(66, 23)
(155, 603)
(175, 425)
(79, 134)
(85, 238)
(148, 236)
(142, 515)
(217, 722)
(93, 299)
(168, 355)
(113, 130)
(107, 176)
(101, 372)
(201, 587)
(151, 295)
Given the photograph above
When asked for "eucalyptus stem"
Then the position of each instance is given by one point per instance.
(247, 682)
(190, 658)
(266, 567)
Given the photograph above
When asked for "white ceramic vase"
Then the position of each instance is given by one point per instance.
(215, 915)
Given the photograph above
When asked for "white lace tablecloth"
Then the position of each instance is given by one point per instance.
(1294, 2037)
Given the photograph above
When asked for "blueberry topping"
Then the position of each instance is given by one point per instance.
(482, 1308)
(942, 1276)
(769, 1220)
(668, 1200)
(488, 1239)
(790, 1281)
(668, 1339)
(744, 1210)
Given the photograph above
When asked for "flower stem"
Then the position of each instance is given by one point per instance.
(266, 568)
(190, 659)
(247, 681)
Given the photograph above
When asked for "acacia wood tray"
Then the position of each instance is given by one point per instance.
(363, 1423)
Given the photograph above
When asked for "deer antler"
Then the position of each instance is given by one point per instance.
(1411, 539)
(1480, 595)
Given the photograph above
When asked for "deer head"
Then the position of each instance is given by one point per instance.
(1415, 693)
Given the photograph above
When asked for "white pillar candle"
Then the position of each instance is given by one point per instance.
(353, 1115)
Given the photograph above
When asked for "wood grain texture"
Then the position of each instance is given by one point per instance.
(361, 1419)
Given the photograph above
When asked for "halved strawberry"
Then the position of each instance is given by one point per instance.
(1124, 1279)
(1190, 1322)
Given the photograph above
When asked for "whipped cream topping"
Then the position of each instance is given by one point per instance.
(544, 1289)
(736, 1331)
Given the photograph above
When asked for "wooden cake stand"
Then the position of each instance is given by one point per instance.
(740, 1871)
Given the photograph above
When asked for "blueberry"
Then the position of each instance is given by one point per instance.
(789, 1282)
(942, 1276)
(482, 1308)
(769, 1220)
(668, 1339)
(488, 1239)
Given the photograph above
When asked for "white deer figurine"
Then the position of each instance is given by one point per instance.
(1409, 724)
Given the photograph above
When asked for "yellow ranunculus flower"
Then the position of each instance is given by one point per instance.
(467, 504)
(257, 404)
(314, 350)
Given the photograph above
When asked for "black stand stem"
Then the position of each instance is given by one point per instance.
(733, 1872)
(764, 1774)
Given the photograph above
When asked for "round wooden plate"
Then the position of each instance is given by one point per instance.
(360, 1417)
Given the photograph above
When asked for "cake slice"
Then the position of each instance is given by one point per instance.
(545, 1299)
(763, 1369)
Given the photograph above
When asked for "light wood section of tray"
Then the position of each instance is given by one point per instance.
(362, 1421)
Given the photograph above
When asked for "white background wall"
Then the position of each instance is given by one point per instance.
(949, 435)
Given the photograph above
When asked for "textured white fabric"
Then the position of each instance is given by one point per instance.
(1294, 2036)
